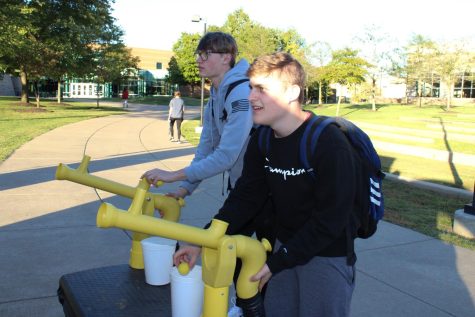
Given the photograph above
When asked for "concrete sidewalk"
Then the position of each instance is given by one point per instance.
(48, 227)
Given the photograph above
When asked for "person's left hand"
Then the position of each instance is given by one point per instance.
(263, 276)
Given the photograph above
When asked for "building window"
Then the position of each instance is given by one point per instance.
(465, 85)
(159, 65)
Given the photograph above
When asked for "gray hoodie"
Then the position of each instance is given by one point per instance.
(225, 134)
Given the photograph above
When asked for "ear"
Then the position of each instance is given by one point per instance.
(293, 93)
(226, 58)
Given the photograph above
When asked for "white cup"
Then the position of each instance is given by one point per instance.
(158, 259)
(187, 293)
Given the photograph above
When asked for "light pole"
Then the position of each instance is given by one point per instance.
(198, 19)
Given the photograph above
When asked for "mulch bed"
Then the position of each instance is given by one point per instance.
(27, 107)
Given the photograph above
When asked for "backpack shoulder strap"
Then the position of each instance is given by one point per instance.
(309, 140)
(230, 88)
(264, 133)
(233, 85)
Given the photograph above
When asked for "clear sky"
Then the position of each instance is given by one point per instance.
(159, 23)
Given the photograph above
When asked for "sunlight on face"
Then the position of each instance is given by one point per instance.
(268, 98)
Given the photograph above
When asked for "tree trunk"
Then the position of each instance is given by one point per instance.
(59, 95)
(24, 86)
(373, 101)
(406, 92)
(449, 95)
(320, 93)
(373, 95)
(338, 106)
(37, 94)
(420, 94)
(97, 95)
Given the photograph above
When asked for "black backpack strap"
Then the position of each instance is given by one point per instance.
(233, 85)
(264, 139)
(309, 140)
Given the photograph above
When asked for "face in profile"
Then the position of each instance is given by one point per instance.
(268, 98)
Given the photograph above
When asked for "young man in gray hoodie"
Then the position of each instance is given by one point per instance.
(227, 125)
(227, 120)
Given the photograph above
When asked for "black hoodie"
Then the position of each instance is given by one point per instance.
(311, 214)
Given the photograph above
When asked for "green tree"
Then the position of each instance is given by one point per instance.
(112, 61)
(320, 56)
(347, 69)
(58, 38)
(77, 29)
(452, 59)
(376, 49)
(175, 76)
(421, 52)
(252, 38)
(184, 51)
(399, 69)
(21, 47)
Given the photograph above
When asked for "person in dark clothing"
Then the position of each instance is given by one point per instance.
(125, 97)
(308, 274)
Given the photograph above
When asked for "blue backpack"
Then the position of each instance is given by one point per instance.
(369, 201)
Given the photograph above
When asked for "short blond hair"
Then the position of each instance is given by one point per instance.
(284, 65)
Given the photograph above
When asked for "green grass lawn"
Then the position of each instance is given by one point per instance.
(430, 122)
(20, 123)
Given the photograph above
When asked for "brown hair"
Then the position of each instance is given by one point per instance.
(285, 65)
(177, 93)
(219, 42)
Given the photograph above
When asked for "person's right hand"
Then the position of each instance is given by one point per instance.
(188, 254)
(156, 174)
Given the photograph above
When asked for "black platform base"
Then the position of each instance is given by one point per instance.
(118, 291)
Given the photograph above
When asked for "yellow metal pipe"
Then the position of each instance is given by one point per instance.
(82, 177)
(143, 201)
(110, 216)
(215, 301)
(253, 256)
(84, 164)
(168, 205)
(139, 197)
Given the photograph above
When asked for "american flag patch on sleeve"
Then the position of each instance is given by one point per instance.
(240, 105)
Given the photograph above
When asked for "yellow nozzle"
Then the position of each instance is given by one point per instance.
(266, 244)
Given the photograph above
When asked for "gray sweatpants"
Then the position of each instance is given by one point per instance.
(323, 287)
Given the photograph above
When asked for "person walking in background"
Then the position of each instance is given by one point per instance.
(175, 114)
(311, 272)
(125, 97)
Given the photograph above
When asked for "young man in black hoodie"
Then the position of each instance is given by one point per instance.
(310, 272)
